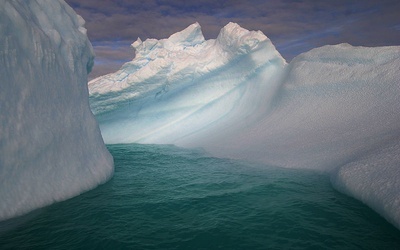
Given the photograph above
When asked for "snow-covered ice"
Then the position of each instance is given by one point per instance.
(50, 144)
(334, 108)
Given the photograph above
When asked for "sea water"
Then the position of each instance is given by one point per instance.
(164, 197)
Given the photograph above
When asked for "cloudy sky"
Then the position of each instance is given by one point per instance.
(294, 26)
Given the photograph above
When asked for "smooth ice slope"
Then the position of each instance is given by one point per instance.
(334, 108)
(334, 104)
(50, 144)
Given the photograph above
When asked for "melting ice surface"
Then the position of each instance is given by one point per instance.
(334, 108)
(50, 144)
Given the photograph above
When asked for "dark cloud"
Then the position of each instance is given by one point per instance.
(294, 26)
(110, 55)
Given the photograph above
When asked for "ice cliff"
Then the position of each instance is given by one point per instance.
(50, 144)
(334, 108)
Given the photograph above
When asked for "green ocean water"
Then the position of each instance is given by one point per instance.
(164, 197)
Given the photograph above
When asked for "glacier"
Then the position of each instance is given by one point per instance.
(333, 109)
(51, 147)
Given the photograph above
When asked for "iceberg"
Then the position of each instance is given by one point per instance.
(51, 148)
(184, 85)
(333, 109)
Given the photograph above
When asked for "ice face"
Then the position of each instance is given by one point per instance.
(334, 108)
(50, 144)
(170, 91)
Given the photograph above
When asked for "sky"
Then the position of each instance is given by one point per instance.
(294, 26)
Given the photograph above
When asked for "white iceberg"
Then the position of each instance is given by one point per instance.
(50, 144)
(334, 108)
(183, 84)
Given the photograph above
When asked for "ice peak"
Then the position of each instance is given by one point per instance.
(187, 54)
(233, 29)
(190, 36)
(234, 37)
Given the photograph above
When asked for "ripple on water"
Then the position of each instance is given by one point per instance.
(163, 197)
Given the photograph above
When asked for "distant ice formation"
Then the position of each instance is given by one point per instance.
(180, 87)
(50, 144)
(334, 108)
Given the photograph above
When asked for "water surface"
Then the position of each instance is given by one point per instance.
(164, 197)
